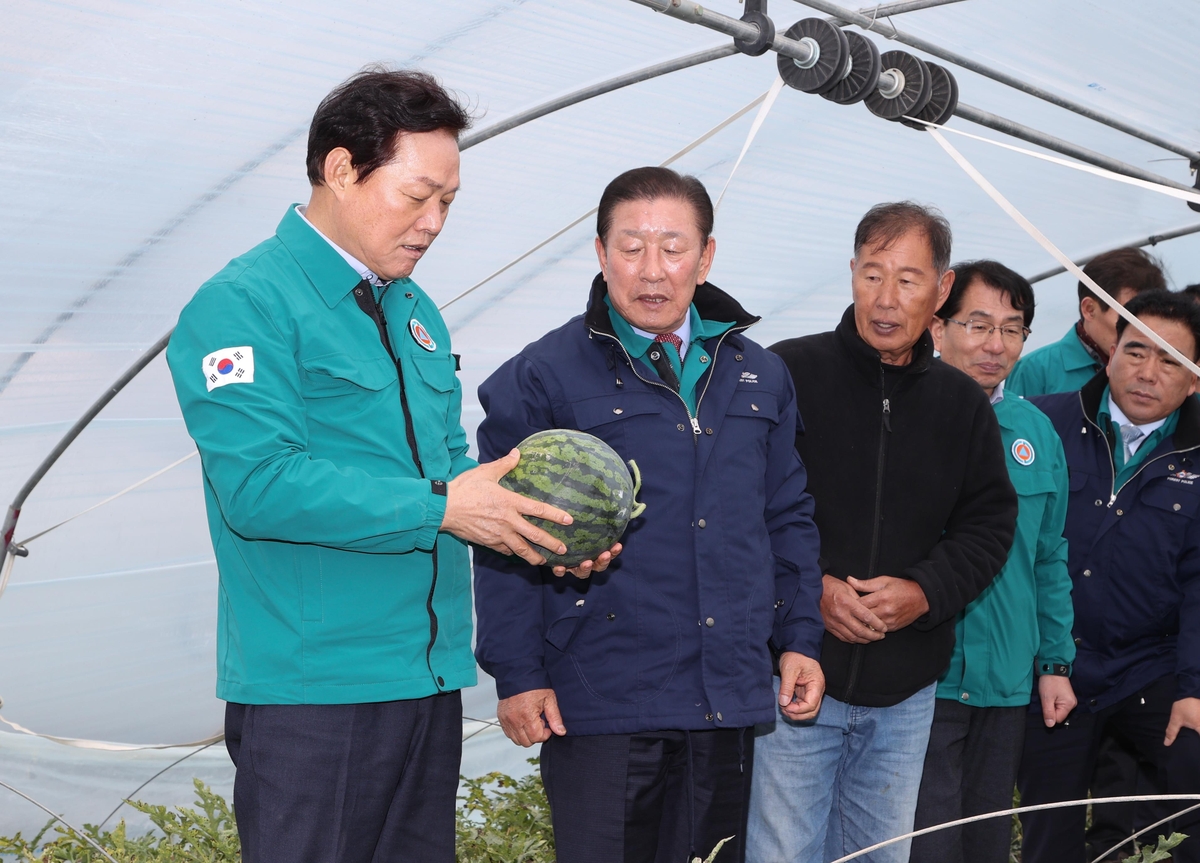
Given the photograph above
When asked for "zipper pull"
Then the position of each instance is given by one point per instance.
(887, 414)
(1111, 500)
(695, 425)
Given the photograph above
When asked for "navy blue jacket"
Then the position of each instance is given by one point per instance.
(674, 635)
(1134, 554)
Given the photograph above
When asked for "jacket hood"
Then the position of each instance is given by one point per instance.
(867, 359)
(711, 302)
(1187, 433)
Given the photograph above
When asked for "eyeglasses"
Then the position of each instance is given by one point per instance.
(981, 331)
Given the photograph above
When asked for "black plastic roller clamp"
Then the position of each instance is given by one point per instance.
(861, 71)
(942, 101)
(913, 91)
(830, 51)
(756, 14)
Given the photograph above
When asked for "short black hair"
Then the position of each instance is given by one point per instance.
(995, 275)
(369, 111)
(650, 184)
(1127, 267)
(1192, 292)
(885, 223)
(1168, 306)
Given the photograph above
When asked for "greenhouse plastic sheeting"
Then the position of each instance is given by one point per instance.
(142, 145)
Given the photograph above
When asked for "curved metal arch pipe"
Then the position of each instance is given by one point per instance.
(1152, 240)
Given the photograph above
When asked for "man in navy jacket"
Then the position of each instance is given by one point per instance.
(1132, 440)
(644, 682)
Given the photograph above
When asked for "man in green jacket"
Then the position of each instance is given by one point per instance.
(316, 378)
(1072, 361)
(1020, 626)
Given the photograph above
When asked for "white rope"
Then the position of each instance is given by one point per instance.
(1170, 191)
(10, 559)
(106, 745)
(763, 111)
(1058, 255)
(1017, 811)
(674, 158)
(121, 493)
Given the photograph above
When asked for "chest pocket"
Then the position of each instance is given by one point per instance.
(762, 406)
(1033, 488)
(1173, 497)
(436, 370)
(1032, 482)
(611, 418)
(332, 375)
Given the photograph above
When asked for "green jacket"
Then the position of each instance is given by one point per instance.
(335, 584)
(1024, 617)
(1062, 367)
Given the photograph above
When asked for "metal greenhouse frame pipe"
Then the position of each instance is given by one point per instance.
(1050, 142)
(600, 89)
(868, 24)
(1152, 240)
(14, 509)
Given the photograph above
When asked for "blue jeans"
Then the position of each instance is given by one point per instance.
(842, 782)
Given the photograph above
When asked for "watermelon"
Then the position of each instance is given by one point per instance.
(582, 475)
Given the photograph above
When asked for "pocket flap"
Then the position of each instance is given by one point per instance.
(437, 370)
(757, 405)
(593, 412)
(372, 373)
(1172, 497)
(1030, 482)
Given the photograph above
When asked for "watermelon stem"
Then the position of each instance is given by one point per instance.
(638, 508)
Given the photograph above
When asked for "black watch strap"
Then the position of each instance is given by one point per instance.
(438, 486)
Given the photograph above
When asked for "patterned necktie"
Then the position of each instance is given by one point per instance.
(662, 364)
(671, 339)
(1130, 434)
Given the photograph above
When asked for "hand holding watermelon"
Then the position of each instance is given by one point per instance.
(581, 474)
(479, 510)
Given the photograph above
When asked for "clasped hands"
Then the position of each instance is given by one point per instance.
(480, 510)
(861, 611)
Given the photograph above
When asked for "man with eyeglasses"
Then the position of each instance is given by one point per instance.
(1021, 624)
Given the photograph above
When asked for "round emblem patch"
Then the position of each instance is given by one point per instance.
(421, 335)
(1022, 451)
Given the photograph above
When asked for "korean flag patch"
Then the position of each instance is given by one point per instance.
(229, 366)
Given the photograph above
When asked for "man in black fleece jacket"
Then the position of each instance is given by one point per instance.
(916, 515)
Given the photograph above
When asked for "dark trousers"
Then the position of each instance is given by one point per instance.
(346, 783)
(656, 797)
(1120, 772)
(970, 768)
(1058, 763)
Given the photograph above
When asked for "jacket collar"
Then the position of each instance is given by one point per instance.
(1187, 432)
(867, 359)
(712, 304)
(329, 272)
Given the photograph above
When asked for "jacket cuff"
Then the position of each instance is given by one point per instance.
(435, 511)
(800, 639)
(1051, 666)
(517, 678)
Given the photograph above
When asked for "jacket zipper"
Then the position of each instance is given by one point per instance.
(885, 429)
(1112, 498)
(696, 431)
(411, 436)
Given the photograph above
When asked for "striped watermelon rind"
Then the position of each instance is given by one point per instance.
(582, 475)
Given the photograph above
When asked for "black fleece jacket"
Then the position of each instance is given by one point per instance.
(908, 473)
